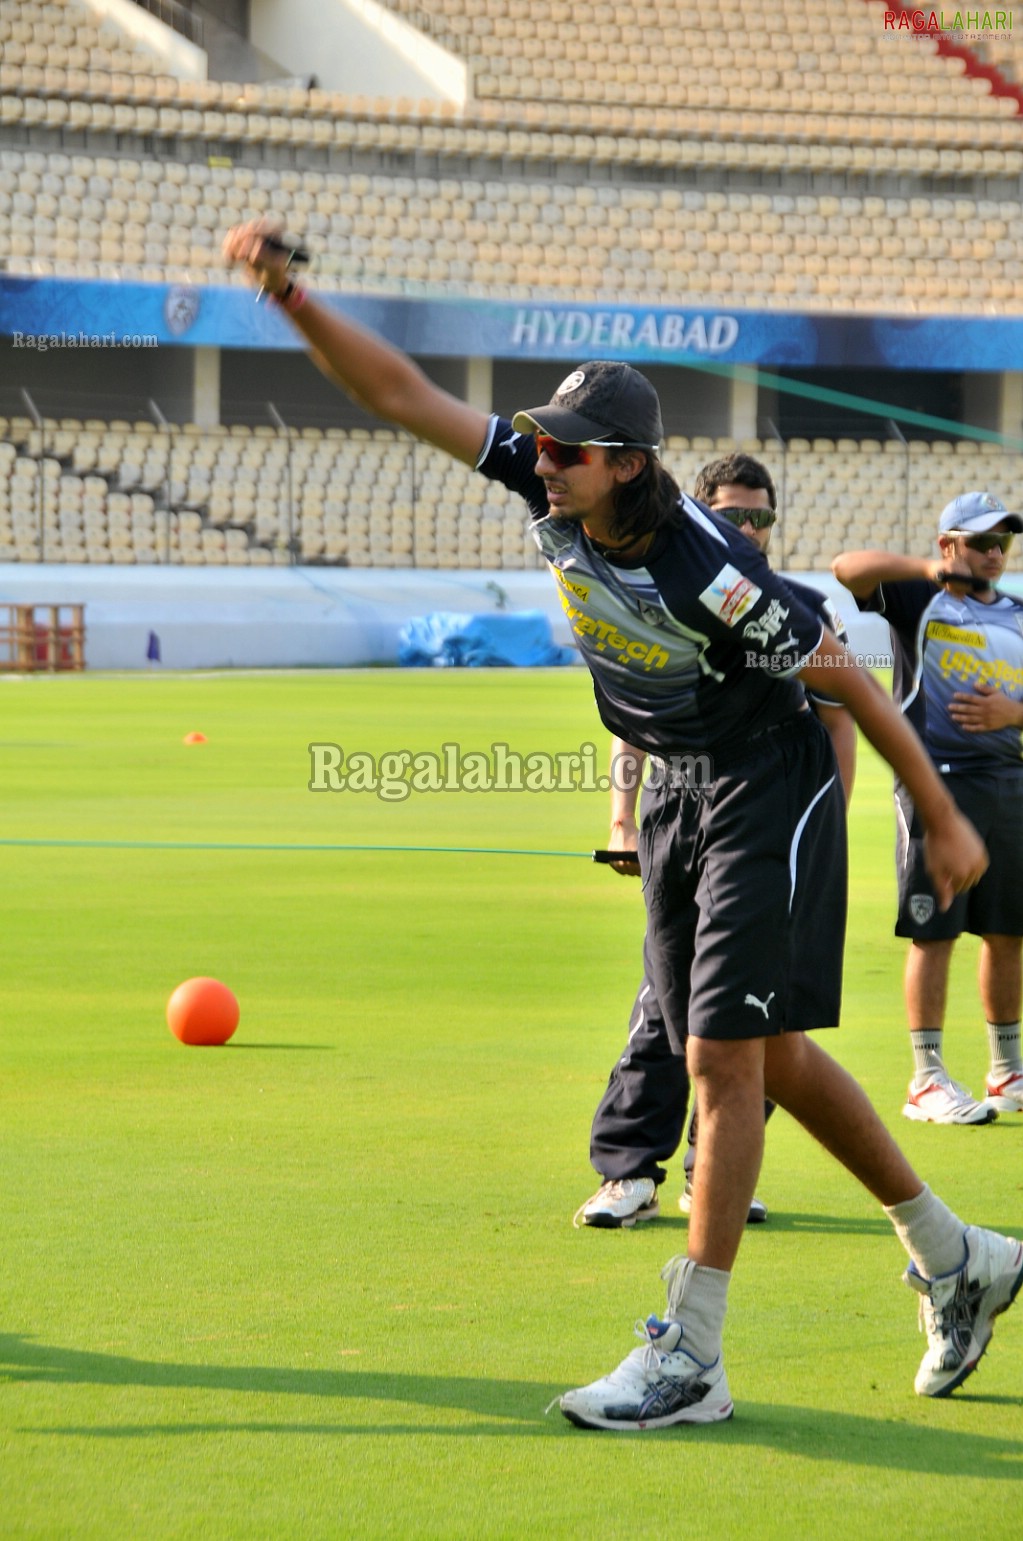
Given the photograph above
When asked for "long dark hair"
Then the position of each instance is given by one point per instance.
(647, 502)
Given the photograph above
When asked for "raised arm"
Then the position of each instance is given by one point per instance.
(861, 571)
(956, 857)
(372, 372)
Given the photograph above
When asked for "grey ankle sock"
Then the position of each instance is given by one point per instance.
(926, 1045)
(697, 1297)
(1003, 1041)
(932, 1235)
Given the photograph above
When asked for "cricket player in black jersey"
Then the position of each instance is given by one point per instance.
(640, 1118)
(694, 645)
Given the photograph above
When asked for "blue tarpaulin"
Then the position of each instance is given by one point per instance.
(446, 640)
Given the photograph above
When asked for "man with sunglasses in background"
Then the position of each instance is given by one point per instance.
(640, 1118)
(958, 645)
(694, 645)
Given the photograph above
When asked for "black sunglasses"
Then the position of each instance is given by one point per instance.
(986, 543)
(759, 518)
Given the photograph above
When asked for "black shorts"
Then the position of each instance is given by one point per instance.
(994, 805)
(745, 886)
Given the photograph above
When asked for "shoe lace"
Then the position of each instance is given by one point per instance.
(650, 1354)
(951, 1318)
(954, 1089)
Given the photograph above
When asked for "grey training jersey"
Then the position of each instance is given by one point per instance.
(691, 649)
(944, 644)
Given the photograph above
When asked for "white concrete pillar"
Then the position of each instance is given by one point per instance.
(1010, 405)
(479, 384)
(742, 409)
(206, 387)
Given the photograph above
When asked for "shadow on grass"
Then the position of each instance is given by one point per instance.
(504, 1408)
(305, 1048)
(790, 1220)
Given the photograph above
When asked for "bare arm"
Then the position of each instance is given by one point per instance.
(842, 732)
(985, 709)
(626, 779)
(379, 377)
(956, 857)
(861, 571)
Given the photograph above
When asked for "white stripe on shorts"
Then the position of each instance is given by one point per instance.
(794, 847)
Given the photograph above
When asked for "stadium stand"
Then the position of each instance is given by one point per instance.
(158, 220)
(588, 164)
(131, 492)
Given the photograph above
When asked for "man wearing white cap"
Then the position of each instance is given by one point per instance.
(958, 644)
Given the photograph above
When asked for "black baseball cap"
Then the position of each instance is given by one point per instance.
(599, 400)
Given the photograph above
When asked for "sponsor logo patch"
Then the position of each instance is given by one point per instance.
(730, 595)
(578, 589)
(939, 631)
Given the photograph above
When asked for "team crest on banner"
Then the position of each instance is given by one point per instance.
(181, 309)
(921, 907)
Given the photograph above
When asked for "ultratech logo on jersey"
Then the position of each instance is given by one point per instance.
(730, 595)
(990, 671)
(604, 636)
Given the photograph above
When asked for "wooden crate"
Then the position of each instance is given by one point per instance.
(42, 638)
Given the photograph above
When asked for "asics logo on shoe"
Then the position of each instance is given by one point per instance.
(763, 1006)
(665, 1398)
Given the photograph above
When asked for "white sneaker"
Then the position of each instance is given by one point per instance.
(940, 1100)
(957, 1309)
(656, 1386)
(757, 1208)
(620, 1203)
(1006, 1095)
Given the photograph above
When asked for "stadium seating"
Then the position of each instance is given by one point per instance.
(132, 492)
(119, 217)
(587, 164)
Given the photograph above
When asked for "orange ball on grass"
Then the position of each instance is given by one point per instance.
(202, 1011)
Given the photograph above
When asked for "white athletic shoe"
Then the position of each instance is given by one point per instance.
(620, 1203)
(1006, 1095)
(757, 1208)
(654, 1387)
(957, 1309)
(943, 1101)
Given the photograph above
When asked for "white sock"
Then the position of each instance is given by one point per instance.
(698, 1298)
(933, 1236)
(1003, 1041)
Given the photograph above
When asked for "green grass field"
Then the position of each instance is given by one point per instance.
(323, 1281)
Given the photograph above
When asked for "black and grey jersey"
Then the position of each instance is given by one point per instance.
(691, 649)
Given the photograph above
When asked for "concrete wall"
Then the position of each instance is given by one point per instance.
(178, 56)
(356, 46)
(315, 617)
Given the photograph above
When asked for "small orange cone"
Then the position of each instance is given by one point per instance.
(194, 738)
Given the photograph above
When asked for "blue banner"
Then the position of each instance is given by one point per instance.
(47, 313)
